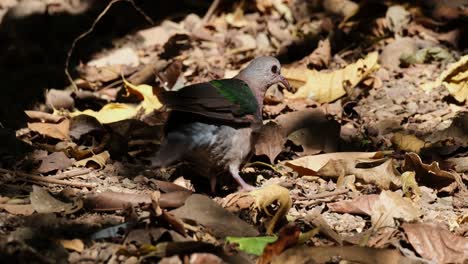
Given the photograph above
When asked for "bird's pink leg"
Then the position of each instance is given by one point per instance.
(234, 170)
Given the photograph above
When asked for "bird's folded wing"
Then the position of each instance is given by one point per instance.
(227, 100)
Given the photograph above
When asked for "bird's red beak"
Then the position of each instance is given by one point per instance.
(284, 82)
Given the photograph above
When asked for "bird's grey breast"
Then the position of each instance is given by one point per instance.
(216, 147)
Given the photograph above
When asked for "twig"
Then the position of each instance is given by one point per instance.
(327, 194)
(211, 10)
(91, 29)
(34, 178)
(259, 163)
(69, 174)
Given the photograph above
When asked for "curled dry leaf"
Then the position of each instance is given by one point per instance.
(326, 87)
(269, 195)
(57, 131)
(409, 185)
(437, 244)
(454, 78)
(320, 57)
(427, 174)
(98, 160)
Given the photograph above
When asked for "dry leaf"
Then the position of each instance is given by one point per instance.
(454, 78)
(98, 159)
(149, 101)
(110, 113)
(268, 195)
(326, 87)
(360, 205)
(18, 209)
(427, 174)
(55, 161)
(436, 244)
(270, 142)
(310, 165)
(73, 244)
(407, 142)
(58, 131)
(384, 175)
(344, 8)
(392, 206)
(43, 202)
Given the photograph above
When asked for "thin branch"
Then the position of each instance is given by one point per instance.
(34, 178)
(210, 12)
(91, 29)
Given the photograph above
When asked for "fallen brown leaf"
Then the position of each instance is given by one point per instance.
(58, 131)
(54, 161)
(437, 244)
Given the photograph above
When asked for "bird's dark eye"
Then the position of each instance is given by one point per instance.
(274, 69)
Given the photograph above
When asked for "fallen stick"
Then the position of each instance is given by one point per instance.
(34, 178)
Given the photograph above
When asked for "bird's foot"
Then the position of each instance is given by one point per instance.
(246, 187)
(243, 186)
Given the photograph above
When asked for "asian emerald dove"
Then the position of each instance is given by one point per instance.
(213, 125)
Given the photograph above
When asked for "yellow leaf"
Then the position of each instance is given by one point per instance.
(73, 244)
(268, 195)
(110, 113)
(150, 101)
(326, 87)
(99, 159)
(408, 143)
(454, 78)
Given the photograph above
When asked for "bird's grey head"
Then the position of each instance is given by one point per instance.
(262, 73)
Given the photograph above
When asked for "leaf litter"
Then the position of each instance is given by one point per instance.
(369, 148)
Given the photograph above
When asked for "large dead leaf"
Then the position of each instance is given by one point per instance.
(308, 128)
(208, 213)
(360, 205)
(391, 206)
(310, 165)
(43, 202)
(347, 254)
(437, 244)
(454, 78)
(18, 209)
(379, 172)
(55, 161)
(326, 87)
(58, 131)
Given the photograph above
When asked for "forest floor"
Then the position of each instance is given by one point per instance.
(365, 160)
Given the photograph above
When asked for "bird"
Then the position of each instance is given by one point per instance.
(213, 125)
